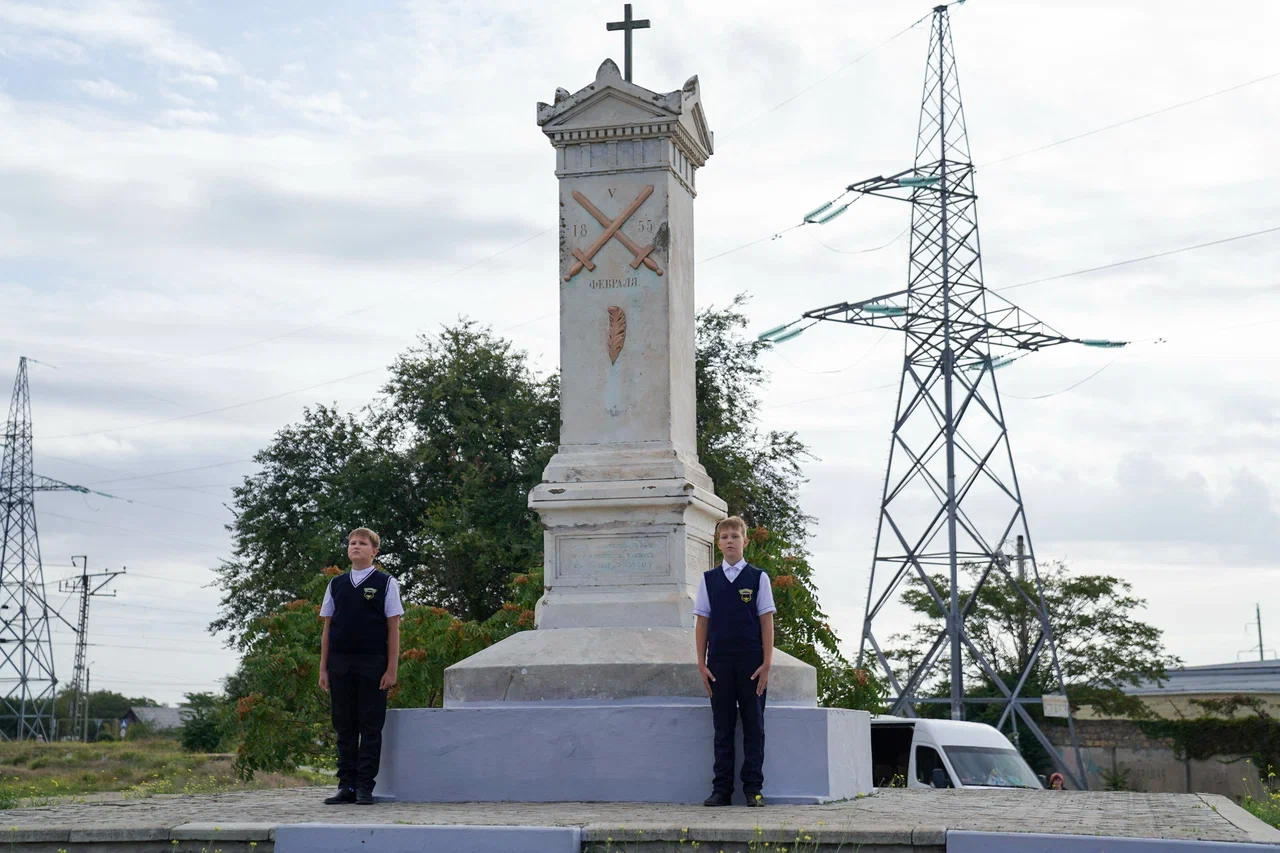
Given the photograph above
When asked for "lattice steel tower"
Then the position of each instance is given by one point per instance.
(28, 684)
(951, 498)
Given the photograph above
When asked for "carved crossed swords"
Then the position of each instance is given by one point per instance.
(610, 232)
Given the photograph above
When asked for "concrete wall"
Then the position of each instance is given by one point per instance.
(1109, 746)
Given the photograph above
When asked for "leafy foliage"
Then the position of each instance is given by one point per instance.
(1219, 731)
(1102, 645)
(757, 474)
(801, 627)
(282, 715)
(205, 730)
(440, 468)
(478, 428)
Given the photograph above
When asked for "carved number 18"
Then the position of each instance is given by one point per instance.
(579, 230)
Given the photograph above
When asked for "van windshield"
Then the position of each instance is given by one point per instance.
(991, 766)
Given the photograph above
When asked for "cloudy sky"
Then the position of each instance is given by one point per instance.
(216, 213)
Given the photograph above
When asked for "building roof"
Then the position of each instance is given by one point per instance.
(1246, 677)
(161, 718)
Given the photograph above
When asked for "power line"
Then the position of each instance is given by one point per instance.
(1128, 261)
(183, 651)
(194, 489)
(131, 530)
(860, 251)
(835, 73)
(215, 411)
(1131, 120)
(159, 358)
(1071, 387)
(175, 471)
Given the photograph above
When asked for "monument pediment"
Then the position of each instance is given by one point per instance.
(610, 102)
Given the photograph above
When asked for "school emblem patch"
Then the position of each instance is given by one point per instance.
(745, 595)
(370, 592)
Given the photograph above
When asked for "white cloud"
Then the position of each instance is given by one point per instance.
(130, 23)
(396, 144)
(203, 81)
(105, 90)
(186, 115)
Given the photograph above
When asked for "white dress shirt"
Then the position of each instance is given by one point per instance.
(764, 595)
(391, 607)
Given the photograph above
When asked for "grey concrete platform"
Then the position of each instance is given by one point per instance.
(653, 753)
(890, 820)
(339, 838)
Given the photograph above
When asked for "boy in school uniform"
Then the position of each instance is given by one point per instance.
(359, 653)
(734, 634)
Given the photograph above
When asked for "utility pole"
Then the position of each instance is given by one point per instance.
(86, 704)
(87, 585)
(1258, 610)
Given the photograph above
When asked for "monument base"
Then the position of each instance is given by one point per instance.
(658, 752)
(603, 664)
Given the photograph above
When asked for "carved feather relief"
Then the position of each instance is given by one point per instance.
(617, 332)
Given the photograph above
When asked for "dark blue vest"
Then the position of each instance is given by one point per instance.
(734, 626)
(359, 623)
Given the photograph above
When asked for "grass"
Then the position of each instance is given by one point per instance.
(43, 773)
(1265, 806)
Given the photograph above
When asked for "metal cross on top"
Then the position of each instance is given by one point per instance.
(627, 25)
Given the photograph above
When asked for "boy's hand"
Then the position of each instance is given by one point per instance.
(388, 680)
(761, 678)
(324, 679)
(707, 677)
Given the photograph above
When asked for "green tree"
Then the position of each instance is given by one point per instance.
(1103, 646)
(317, 480)
(440, 468)
(479, 428)
(205, 729)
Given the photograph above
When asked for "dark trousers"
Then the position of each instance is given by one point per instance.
(733, 694)
(359, 710)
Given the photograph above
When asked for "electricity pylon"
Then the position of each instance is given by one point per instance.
(28, 684)
(951, 497)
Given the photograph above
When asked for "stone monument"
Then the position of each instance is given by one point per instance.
(603, 700)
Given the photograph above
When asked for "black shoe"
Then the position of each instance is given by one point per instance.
(754, 799)
(364, 798)
(718, 798)
(344, 796)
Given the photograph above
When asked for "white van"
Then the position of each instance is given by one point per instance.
(907, 752)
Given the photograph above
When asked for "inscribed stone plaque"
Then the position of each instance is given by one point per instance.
(605, 556)
(697, 554)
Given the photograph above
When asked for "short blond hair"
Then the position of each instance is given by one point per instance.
(734, 522)
(367, 534)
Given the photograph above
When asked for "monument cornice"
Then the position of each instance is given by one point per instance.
(612, 110)
(649, 130)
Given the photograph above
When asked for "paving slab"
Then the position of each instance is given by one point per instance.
(890, 819)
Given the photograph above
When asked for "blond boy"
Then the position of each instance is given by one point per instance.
(734, 609)
(359, 651)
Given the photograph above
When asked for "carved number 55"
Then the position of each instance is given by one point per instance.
(644, 226)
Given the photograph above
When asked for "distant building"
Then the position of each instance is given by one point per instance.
(157, 719)
(1258, 679)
